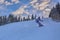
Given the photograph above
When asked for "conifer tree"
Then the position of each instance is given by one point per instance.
(11, 18)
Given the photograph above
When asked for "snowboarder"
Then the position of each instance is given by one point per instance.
(38, 21)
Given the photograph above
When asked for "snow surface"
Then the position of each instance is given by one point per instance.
(29, 30)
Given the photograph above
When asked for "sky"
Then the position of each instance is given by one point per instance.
(28, 7)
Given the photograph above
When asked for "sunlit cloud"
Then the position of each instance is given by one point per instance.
(46, 13)
(20, 11)
(15, 1)
(9, 3)
(33, 1)
(2, 1)
(42, 5)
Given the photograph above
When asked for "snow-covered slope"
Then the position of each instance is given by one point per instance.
(30, 31)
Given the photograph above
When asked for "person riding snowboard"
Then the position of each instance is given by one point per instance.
(38, 21)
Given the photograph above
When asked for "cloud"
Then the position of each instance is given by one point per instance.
(40, 6)
(43, 6)
(46, 13)
(20, 11)
(15, 1)
(5, 2)
(9, 3)
(2, 1)
(33, 1)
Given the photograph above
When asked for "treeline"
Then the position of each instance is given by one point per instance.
(55, 12)
(11, 18)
